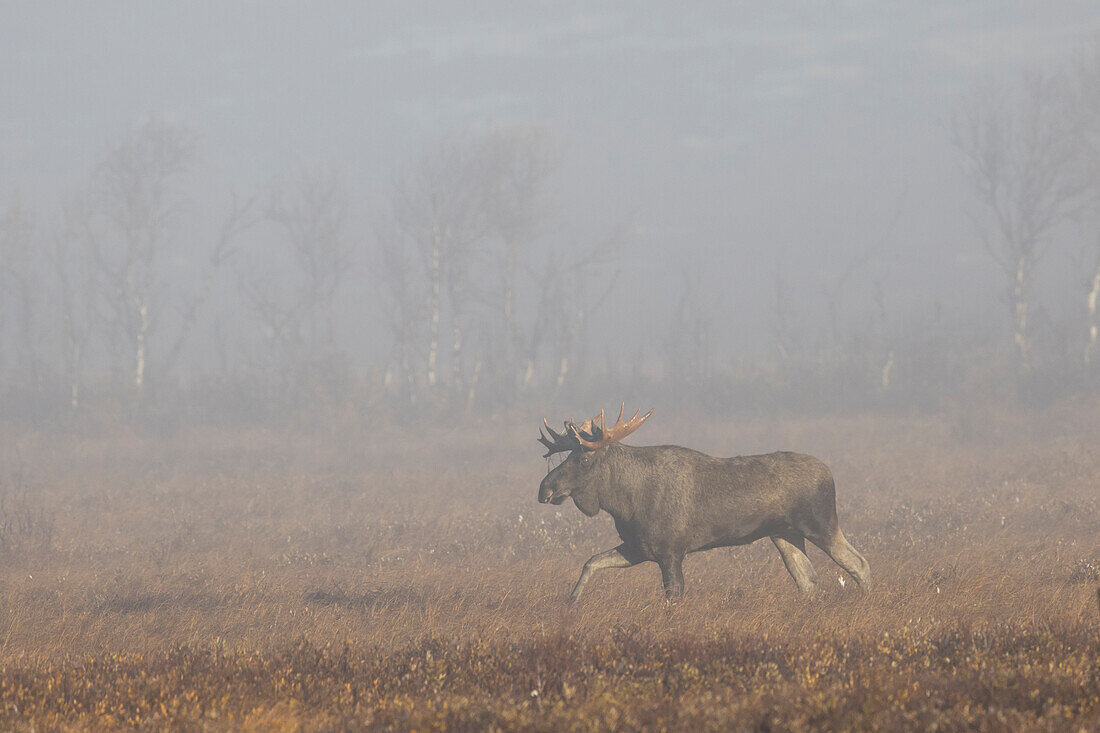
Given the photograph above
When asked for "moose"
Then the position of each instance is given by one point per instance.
(668, 501)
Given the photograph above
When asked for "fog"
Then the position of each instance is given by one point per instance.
(768, 204)
(287, 289)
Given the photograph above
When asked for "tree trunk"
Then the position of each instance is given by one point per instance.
(471, 393)
(1019, 301)
(529, 375)
(73, 349)
(1093, 323)
(887, 371)
(140, 360)
(28, 354)
(3, 313)
(457, 375)
(72, 341)
(74, 377)
(563, 369)
(407, 376)
(511, 332)
(435, 274)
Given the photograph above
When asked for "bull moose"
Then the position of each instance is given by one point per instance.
(668, 501)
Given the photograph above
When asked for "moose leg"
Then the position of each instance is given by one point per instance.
(672, 573)
(842, 552)
(793, 551)
(619, 557)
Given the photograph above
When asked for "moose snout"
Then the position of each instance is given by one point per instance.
(549, 492)
(545, 491)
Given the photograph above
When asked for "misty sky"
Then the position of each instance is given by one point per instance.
(729, 140)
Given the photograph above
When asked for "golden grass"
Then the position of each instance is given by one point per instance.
(373, 578)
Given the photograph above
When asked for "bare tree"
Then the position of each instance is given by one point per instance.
(568, 297)
(17, 301)
(291, 279)
(73, 268)
(312, 211)
(281, 320)
(687, 346)
(1017, 145)
(128, 224)
(469, 212)
(405, 310)
(238, 220)
(1085, 110)
(518, 163)
(1092, 295)
(136, 208)
(839, 286)
(441, 208)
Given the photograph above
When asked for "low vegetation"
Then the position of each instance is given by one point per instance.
(367, 577)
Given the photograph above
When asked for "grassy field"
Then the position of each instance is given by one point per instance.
(381, 578)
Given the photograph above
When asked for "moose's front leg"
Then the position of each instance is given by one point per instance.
(620, 557)
(672, 574)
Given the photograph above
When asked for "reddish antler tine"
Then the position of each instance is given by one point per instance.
(622, 429)
(587, 436)
(588, 428)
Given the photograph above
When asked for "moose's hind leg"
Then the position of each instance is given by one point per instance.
(841, 551)
(672, 574)
(793, 551)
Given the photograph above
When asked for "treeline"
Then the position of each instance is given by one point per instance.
(474, 303)
(477, 306)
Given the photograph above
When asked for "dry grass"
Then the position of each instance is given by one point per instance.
(268, 580)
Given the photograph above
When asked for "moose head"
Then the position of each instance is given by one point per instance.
(591, 446)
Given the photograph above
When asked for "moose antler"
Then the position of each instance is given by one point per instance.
(617, 432)
(592, 434)
(557, 442)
